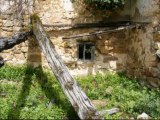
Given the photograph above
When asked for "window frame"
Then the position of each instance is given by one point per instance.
(84, 51)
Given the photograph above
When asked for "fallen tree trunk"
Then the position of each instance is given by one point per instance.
(81, 103)
(7, 43)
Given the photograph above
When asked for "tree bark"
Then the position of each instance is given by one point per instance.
(7, 43)
(81, 103)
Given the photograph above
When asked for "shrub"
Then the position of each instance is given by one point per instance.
(106, 4)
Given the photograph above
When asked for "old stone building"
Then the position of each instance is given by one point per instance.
(85, 45)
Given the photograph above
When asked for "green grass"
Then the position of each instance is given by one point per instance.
(126, 94)
(27, 93)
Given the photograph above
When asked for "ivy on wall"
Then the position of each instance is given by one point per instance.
(106, 4)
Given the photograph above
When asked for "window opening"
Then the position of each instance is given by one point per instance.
(86, 51)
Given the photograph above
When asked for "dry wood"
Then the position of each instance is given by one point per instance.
(101, 24)
(109, 112)
(81, 103)
(111, 30)
(7, 43)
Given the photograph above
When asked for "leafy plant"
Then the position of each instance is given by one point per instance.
(27, 93)
(123, 93)
(106, 4)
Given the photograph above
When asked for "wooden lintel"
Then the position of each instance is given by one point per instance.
(100, 32)
(93, 25)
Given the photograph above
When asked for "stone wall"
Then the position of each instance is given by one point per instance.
(132, 51)
(14, 16)
(110, 51)
(143, 43)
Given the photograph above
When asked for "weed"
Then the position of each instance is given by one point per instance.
(27, 93)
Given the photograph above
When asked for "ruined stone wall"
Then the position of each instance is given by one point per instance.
(110, 51)
(131, 50)
(14, 18)
(67, 12)
(143, 43)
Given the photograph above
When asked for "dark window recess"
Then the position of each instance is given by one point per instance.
(86, 51)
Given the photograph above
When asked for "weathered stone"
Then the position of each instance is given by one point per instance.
(1, 24)
(17, 28)
(19, 56)
(8, 23)
(109, 58)
(157, 45)
(156, 36)
(112, 65)
(158, 53)
(143, 116)
(24, 49)
(158, 66)
(8, 29)
(155, 71)
(150, 57)
(6, 34)
(153, 81)
(34, 57)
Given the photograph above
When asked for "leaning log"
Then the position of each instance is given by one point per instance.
(80, 102)
(7, 43)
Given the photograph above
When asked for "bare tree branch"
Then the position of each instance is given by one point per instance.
(7, 43)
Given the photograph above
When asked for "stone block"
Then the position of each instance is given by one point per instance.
(8, 23)
(109, 58)
(120, 50)
(156, 36)
(6, 34)
(112, 65)
(24, 49)
(8, 29)
(153, 81)
(157, 45)
(1, 24)
(19, 56)
(158, 53)
(17, 28)
(158, 66)
(57, 41)
(150, 58)
(5, 17)
(155, 71)
(34, 57)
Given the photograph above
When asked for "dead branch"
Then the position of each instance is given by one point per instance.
(7, 43)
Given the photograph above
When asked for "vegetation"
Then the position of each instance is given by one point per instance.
(27, 93)
(124, 93)
(106, 4)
